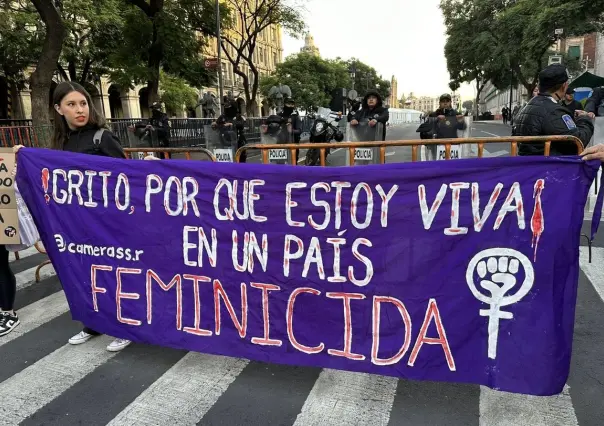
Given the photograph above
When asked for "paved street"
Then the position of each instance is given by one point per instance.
(408, 132)
(45, 381)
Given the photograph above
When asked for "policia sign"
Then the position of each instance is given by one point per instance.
(9, 219)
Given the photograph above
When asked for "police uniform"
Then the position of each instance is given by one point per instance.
(544, 116)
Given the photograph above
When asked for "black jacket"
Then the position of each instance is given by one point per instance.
(378, 113)
(81, 141)
(543, 116)
(161, 123)
(295, 121)
(572, 107)
(444, 130)
(594, 102)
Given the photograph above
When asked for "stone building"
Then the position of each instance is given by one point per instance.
(309, 46)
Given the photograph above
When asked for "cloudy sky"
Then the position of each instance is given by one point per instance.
(405, 38)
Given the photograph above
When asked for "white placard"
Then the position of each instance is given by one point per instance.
(361, 154)
(223, 155)
(455, 152)
(277, 154)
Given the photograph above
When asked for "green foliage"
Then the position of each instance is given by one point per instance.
(311, 79)
(93, 35)
(468, 105)
(161, 36)
(176, 93)
(509, 41)
(21, 38)
(366, 78)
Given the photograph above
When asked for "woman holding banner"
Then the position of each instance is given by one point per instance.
(8, 288)
(80, 128)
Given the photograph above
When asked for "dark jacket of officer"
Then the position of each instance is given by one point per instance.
(544, 116)
(594, 102)
(441, 128)
(291, 116)
(378, 112)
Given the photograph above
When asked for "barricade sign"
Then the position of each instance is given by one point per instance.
(441, 152)
(222, 141)
(9, 218)
(363, 154)
(223, 155)
(440, 272)
(362, 132)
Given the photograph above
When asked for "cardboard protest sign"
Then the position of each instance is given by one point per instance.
(9, 219)
(461, 271)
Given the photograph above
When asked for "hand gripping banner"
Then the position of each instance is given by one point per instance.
(460, 271)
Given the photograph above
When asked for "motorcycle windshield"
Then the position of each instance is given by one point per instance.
(222, 142)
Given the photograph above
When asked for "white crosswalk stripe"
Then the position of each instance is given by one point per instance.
(188, 389)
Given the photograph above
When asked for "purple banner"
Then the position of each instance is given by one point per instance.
(460, 271)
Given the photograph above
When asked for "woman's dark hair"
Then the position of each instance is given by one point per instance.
(61, 132)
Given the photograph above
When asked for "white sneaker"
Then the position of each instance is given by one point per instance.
(118, 344)
(81, 337)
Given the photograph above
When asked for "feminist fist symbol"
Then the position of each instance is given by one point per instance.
(497, 269)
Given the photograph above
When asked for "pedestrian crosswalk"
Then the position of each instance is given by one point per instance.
(46, 381)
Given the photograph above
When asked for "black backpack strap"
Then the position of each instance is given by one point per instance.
(98, 137)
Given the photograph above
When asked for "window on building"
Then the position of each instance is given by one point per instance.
(275, 59)
(574, 52)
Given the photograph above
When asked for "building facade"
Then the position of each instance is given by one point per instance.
(268, 53)
(309, 46)
(429, 104)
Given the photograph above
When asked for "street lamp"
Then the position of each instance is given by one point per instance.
(353, 73)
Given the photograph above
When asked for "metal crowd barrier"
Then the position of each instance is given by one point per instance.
(414, 144)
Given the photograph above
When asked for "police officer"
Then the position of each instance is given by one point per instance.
(447, 121)
(570, 103)
(545, 116)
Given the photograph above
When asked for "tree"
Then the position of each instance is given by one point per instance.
(508, 41)
(366, 78)
(164, 35)
(176, 93)
(41, 79)
(21, 38)
(251, 19)
(311, 79)
(94, 32)
(468, 105)
(469, 46)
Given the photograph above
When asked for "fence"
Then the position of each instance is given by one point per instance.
(415, 145)
(184, 132)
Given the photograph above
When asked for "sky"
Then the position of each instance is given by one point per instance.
(404, 38)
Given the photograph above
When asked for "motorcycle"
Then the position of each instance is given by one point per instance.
(323, 130)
